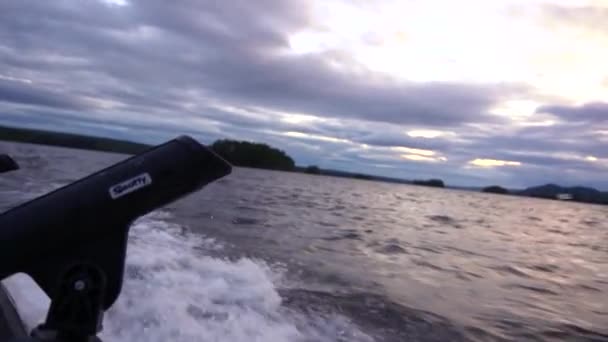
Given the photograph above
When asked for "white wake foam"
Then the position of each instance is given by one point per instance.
(175, 291)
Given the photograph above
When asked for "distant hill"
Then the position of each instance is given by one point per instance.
(577, 193)
(248, 154)
(33, 136)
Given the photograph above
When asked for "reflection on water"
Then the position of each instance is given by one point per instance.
(498, 266)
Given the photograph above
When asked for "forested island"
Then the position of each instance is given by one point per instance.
(575, 193)
(257, 155)
(495, 189)
(555, 192)
(435, 183)
(248, 154)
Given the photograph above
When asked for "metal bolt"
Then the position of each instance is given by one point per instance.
(79, 285)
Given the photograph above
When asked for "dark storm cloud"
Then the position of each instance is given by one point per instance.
(596, 112)
(25, 93)
(567, 139)
(238, 24)
(308, 88)
(235, 52)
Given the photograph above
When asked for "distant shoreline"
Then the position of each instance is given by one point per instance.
(92, 143)
(70, 140)
(40, 137)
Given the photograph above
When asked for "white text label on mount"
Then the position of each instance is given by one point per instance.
(130, 185)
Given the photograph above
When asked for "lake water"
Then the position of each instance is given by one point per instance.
(272, 256)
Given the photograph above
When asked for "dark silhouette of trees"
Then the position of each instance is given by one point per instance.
(437, 183)
(313, 170)
(576, 193)
(34, 136)
(495, 189)
(247, 154)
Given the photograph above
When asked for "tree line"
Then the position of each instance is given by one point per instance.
(248, 154)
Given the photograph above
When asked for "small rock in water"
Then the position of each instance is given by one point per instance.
(7, 163)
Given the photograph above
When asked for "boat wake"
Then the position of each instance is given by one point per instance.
(175, 290)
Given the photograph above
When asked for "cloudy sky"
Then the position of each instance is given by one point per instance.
(476, 92)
